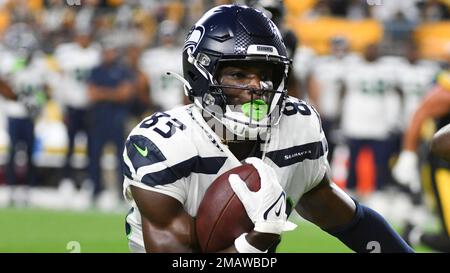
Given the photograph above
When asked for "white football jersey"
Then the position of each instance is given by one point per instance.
(303, 62)
(27, 81)
(75, 64)
(370, 104)
(415, 80)
(176, 153)
(328, 72)
(165, 91)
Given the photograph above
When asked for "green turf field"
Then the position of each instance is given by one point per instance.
(36, 230)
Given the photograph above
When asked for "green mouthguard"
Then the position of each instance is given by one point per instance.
(259, 109)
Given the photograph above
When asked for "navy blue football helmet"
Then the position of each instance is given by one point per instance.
(232, 33)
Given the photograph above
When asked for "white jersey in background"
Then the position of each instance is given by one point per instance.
(177, 154)
(28, 81)
(165, 91)
(370, 103)
(414, 80)
(75, 64)
(303, 63)
(328, 73)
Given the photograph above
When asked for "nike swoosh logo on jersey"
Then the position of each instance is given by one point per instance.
(143, 152)
(277, 213)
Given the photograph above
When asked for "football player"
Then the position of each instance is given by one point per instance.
(75, 61)
(325, 86)
(367, 111)
(109, 91)
(25, 71)
(235, 69)
(435, 105)
(415, 80)
(166, 92)
(5, 92)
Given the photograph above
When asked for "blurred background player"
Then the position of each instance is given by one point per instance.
(435, 105)
(415, 79)
(75, 61)
(5, 92)
(166, 92)
(367, 87)
(325, 87)
(27, 76)
(109, 90)
(303, 62)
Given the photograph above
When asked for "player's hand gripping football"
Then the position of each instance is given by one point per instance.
(266, 207)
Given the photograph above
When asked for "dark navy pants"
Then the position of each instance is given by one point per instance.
(76, 120)
(107, 124)
(20, 130)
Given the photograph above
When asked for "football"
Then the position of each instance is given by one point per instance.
(221, 217)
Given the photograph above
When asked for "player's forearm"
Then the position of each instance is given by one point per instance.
(118, 94)
(6, 91)
(435, 105)
(412, 135)
(173, 247)
(368, 231)
(106, 94)
(95, 93)
(122, 93)
(178, 237)
(262, 241)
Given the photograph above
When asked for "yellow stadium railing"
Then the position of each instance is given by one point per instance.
(316, 33)
(433, 40)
